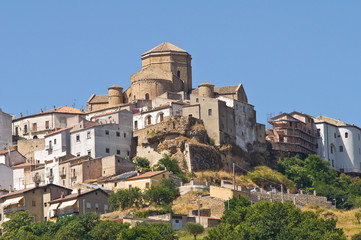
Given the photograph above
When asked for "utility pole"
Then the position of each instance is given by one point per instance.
(199, 210)
(234, 176)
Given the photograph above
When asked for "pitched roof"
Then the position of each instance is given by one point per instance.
(165, 47)
(76, 195)
(332, 121)
(6, 151)
(99, 99)
(65, 109)
(146, 175)
(226, 89)
(206, 84)
(58, 131)
(23, 165)
(29, 189)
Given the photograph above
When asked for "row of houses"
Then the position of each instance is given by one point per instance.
(337, 142)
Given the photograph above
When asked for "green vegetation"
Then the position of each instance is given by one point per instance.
(161, 194)
(194, 229)
(314, 174)
(125, 198)
(171, 164)
(266, 220)
(141, 162)
(88, 226)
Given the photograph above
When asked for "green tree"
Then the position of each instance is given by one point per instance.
(105, 230)
(358, 217)
(163, 193)
(167, 162)
(74, 230)
(356, 236)
(141, 162)
(125, 198)
(194, 229)
(265, 220)
(140, 231)
(15, 222)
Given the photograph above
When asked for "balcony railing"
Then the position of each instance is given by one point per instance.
(10, 210)
(66, 211)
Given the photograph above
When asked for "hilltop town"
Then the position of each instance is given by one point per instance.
(206, 140)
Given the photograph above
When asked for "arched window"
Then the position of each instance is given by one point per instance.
(148, 120)
(147, 96)
(161, 117)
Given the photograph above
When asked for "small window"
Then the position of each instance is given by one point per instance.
(128, 153)
(106, 207)
(334, 135)
(89, 152)
(88, 205)
(44, 189)
(135, 124)
(115, 184)
(346, 134)
(78, 138)
(96, 206)
(130, 187)
(33, 203)
(147, 96)
(25, 128)
(236, 106)
(163, 175)
(209, 112)
(35, 127)
(54, 141)
(178, 74)
(147, 185)
(197, 100)
(107, 150)
(106, 132)
(333, 163)
(318, 132)
(341, 148)
(125, 135)
(176, 221)
(244, 109)
(316, 145)
(118, 134)
(118, 152)
(45, 204)
(331, 150)
(78, 154)
(88, 135)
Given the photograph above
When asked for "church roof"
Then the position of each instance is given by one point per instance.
(165, 47)
(226, 89)
(99, 99)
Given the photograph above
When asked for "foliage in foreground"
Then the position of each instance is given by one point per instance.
(314, 173)
(266, 220)
(194, 229)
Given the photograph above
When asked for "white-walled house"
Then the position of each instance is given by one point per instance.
(40, 124)
(98, 140)
(5, 130)
(143, 118)
(339, 143)
(11, 158)
(57, 144)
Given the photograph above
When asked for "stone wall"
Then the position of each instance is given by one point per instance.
(300, 200)
(27, 148)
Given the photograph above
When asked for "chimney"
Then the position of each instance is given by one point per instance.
(21, 115)
(41, 110)
(54, 106)
(62, 195)
(79, 191)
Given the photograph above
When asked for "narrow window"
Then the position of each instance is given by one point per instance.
(147, 96)
(135, 124)
(147, 185)
(118, 134)
(125, 135)
(341, 148)
(106, 208)
(118, 152)
(335, 135)
(346, 134)
(128, 153)
(89, 152)
(197, 100)
(78, 138)
(25, 128)
(209, 112)
(88, 135)
(244, 109)
(33, 203)
(331, 150)
(46, 124)
(178, 74)
(161, 117)
(107, 150)
(130, 187)
(96, 206)
(318, 132)
(78, 154)
(88, 205)
(17, 134)
(35, 127)
(163, 175)
(54, 141)
(106, 132)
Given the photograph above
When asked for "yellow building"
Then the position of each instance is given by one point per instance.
(146, 180)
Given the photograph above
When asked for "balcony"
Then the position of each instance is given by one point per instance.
(62, 175)
(10, 210)
(49, 175)
(66, 211)
(49, 147)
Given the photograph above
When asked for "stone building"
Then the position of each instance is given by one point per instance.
(339, 143)
(165, 68)
(293, 132)
(226, 114)
(5, 130)
(40, 124)
(35, 200)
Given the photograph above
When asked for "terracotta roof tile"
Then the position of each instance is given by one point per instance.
(146, 175)
(26, 165)
(99, 99)
(165, 47)
(58, 131)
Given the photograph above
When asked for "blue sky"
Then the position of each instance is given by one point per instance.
(290, 55)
